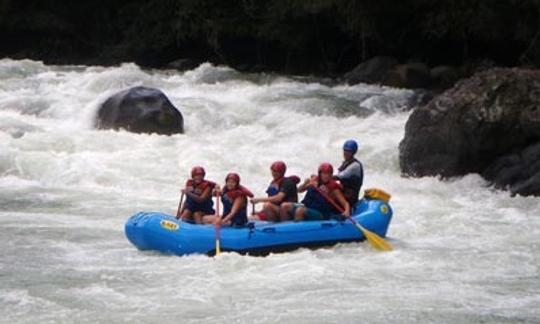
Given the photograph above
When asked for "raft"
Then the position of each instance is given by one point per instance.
(164, 233)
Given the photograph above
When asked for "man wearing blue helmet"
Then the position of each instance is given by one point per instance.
(351, 173)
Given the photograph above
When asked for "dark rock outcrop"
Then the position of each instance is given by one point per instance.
(386, 71)
(371, 71)
(140, 110)
(487, 124)
(411, 76)
(444, 76)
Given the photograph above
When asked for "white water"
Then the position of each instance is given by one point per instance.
(464, 253)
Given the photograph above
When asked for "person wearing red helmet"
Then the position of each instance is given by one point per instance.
(281, 190)
(198, 197)
(315, 206)
(234, 198)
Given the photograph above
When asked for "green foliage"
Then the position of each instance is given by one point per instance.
(299, 36)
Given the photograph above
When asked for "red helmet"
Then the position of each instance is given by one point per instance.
(326, 168)
(197, 170)
(233, 176)
(279, 166)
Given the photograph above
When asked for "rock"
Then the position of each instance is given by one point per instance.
(487, 124)
(475, 66)
(140, 110)
(183, 64)
(421, 98)
(386, 71)
(371, 71)
(443, 76)
(412, 76)
(518, 172)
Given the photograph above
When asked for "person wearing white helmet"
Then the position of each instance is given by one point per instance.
(351, 173)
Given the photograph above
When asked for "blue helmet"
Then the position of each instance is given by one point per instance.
(350, 145)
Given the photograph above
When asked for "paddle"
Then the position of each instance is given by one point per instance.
(218, 228)
(375, 240)
(178, 216)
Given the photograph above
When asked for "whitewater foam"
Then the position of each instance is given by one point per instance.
(464, 251)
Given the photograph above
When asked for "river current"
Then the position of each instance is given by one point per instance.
(464, 252)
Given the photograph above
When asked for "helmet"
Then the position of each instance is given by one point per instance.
(197, 170)
(350, 145)
(279, 166)
(326, 168)
(233, 176)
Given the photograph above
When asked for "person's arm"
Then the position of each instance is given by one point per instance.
(343, 202)
(274, 199)
(237, 204)
(307, 183)
(199, 199)
(353, 170)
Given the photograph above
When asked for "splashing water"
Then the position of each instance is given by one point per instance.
(463, 251)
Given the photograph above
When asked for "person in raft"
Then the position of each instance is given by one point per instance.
(198, 193)
(351, 173)
(321, 190)
(235, 199)
(281, 189)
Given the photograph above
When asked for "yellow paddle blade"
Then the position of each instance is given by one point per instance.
(375, 240)
(218, 247)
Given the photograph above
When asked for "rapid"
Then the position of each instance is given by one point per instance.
(464, 252)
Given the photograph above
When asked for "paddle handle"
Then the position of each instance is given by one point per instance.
(180, 205)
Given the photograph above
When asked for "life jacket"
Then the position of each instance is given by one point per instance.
(198, 190)
(201, 187)
(228, 197)
(314, 200)
(275, 186)
(352, 183)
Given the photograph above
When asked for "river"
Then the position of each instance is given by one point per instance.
(464, 252)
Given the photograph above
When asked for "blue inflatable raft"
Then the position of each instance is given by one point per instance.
(162, 232)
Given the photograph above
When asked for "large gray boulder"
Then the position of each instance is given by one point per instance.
(140, 110)
(487, 124)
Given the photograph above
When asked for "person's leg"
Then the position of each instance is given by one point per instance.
(271, 211)
(286, 211)
(299, 214)
(208, 219)
(186, 215)
(197, 217)
(313, 215)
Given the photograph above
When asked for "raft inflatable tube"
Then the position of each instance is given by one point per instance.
(164, 233)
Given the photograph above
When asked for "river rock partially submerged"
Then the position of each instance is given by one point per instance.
(140, 110)
(487, 124)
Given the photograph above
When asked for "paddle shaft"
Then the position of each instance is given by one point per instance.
(180, 205)
(218, 228)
